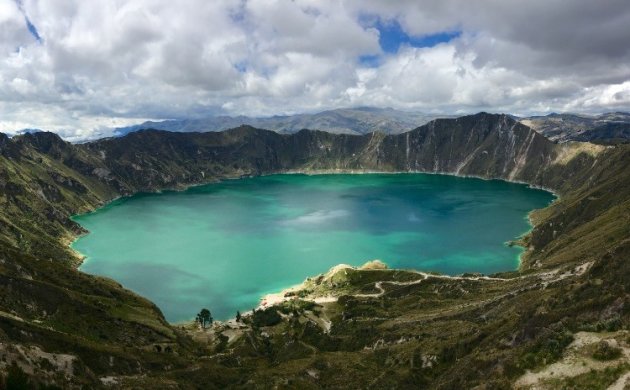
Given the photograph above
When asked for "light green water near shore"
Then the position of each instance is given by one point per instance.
(224, 245)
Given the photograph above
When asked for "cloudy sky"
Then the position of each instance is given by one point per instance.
(77, 67)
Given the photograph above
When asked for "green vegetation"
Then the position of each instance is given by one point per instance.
(265, 317)
(17, 379)
(204, 318)
(604, 351)
(547, 350)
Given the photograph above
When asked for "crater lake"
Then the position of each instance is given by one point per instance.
(224, 245)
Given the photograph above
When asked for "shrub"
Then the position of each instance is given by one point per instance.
(605, 351)
(547, 350)
(266, 317)
(17, 378)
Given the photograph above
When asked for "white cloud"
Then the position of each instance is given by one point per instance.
(113, 61)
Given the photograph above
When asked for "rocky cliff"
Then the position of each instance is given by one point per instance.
(608, 128)
(493, 146)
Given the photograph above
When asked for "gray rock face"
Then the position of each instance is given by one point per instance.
(604, 128)
(486, 145)
(482, 145)
(608, 133)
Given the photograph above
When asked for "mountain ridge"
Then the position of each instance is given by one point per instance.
(111, 332)
(358, 120)
(574, 127)
(559, 127)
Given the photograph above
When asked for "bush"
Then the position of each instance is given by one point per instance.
(604, 351)
(266, 317)
(17, 378)
(299, 306)
(547, 350)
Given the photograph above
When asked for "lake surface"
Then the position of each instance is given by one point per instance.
(223, 246)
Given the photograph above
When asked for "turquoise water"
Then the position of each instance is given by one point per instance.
(224, 245)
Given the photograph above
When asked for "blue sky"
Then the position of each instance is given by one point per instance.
(32, 29)
(29, 25)
(392, 37)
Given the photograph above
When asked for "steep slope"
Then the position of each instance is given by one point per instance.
(456, 332)
(485, 145)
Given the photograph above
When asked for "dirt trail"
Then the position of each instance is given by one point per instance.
(379, 286)
(622, 383)
(576, 361)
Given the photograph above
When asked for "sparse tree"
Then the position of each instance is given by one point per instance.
(204, 318)
(238, 316)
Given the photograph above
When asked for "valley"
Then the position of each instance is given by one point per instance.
(374, 327)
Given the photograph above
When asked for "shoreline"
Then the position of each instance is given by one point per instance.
(287, 294)
(372, 172)
(279, 297)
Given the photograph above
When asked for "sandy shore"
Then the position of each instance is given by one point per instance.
(291, 292)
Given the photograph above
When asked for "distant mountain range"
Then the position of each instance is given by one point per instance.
(605, 128)
(362, 120)
(613, 127)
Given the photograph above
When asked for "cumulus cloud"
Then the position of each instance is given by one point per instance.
(80, 67)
